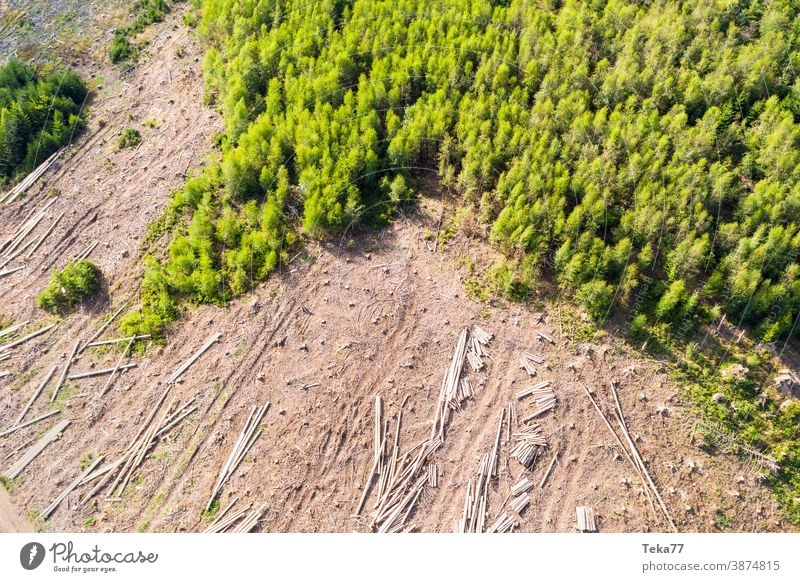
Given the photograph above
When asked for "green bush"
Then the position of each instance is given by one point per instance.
(121, 48)
(75, 283)
(130, 138)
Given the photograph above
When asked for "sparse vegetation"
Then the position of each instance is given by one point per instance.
(144, 12)
(75, 283)
(130, 138)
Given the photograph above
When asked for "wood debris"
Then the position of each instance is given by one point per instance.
(454, 391)
(530, 445)
(70, 488)
(243, 444)
(51, 435)
(19, 426)
(527, 362)
(544, 399)
(520, 503)
(130, 460)
(522, 486)
(65, 371)
(31, 178)
(13, 328)
(586, 521)
(548, 470)
(504, 524)
(100, 372)
(27, 338)
(11, 244)
(103, 327)
(186, 365)
(545, 338)
(632, 455)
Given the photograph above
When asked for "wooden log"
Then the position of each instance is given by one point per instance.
(12, 328)
(41, 239)
(113, 375)
(116, 341)
(103, 371)
(8, 272)
(549, 469)
(185, 366)
(638, 457)
(27, 338)
(65, 371)
(17, 427)
(36, 394)
(51, 435)
(70, 488)
(104, 326)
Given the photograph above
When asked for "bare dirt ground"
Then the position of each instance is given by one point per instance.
(337, 326)
(10, 520)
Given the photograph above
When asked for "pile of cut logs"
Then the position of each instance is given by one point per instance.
(149, 434)
(241, 447)
(227, 523)
(530, 445)
(543, 397)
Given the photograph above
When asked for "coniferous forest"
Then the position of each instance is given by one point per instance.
(39, 112)
(600, 143)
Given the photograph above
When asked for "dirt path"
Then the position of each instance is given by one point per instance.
(10, 520)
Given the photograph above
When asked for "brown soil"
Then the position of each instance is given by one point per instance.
(337, 326)
(10, 520)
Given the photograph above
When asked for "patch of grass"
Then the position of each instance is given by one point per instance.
(240, 351)
(89, 521)
(145, 12)
(723, 520)
(8, 483)
(130, 138)
(75, 283)
(208, 514)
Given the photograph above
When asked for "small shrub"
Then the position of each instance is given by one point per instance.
(121, 48)
(77, 282)
(130, 138)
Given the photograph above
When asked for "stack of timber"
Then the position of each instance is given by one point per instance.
(503, 524)
(30, 179)
(543, 397)
(470, 346)
(586, 521)
(123, 469)
(228, 523)
(476, 501)
(527, 362)
(51, 435)
(241, 447)
(520, 503)
(399, 479)
(522, 486)
(530, 445)
(631, 452)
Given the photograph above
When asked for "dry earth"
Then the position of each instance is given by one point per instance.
(340, 324)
